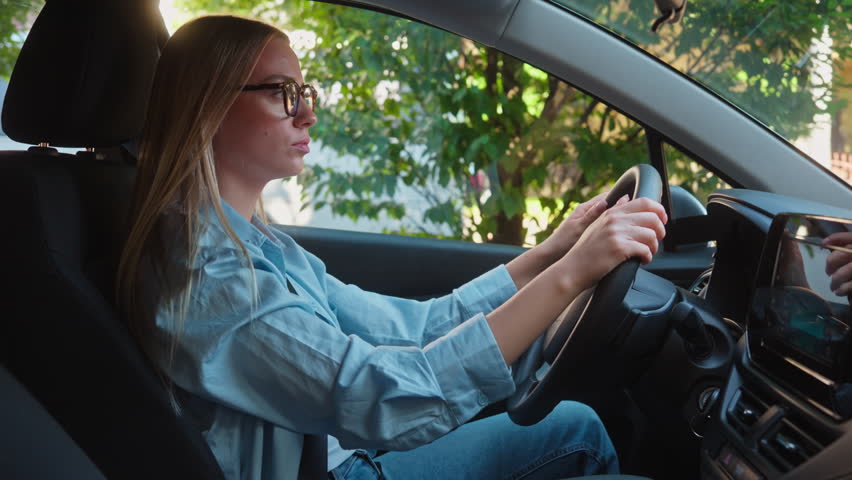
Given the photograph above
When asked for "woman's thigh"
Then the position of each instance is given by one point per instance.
(570, 442)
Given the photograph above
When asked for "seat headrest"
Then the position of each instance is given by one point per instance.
(84, 73)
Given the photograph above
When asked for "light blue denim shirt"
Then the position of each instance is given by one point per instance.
(373, 371)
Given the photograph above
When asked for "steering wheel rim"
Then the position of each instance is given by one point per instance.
(571, 340)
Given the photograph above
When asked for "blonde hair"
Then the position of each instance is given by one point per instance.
(198, 78)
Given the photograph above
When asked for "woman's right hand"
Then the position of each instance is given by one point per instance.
(627, 230)
(838, 265)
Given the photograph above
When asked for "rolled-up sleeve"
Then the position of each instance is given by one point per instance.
(285, 364)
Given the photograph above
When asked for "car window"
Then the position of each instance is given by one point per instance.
(685, 172)
(422, 132)
(787, 64)
(15, 21)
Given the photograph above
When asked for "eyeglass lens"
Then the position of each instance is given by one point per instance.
(293, 95)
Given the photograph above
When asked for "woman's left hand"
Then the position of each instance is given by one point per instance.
(534, 261)
(569, 231)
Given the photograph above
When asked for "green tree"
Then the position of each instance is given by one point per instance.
(450, 109)
(16, 16)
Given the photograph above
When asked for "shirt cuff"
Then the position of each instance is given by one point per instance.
(469, 368)
(487, 291)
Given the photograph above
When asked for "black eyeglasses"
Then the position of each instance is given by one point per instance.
(292, 93)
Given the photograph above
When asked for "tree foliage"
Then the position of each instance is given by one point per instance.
(15, 18)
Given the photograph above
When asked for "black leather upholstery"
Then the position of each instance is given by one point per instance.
(32, 436)
(61, 337)
(84, 73)
(83, 79)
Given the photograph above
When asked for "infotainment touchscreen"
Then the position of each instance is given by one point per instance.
(797, 319)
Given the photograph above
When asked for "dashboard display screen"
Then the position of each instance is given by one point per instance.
(799, 315)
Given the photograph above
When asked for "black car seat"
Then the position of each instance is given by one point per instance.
(82, 80)
(26, 423)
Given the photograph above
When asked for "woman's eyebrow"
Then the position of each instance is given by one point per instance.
(277, 77)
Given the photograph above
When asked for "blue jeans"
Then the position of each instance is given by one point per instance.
(570, 442)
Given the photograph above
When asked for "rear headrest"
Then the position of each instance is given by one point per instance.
(84, 73)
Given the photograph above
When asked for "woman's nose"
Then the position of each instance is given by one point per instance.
(305, 118)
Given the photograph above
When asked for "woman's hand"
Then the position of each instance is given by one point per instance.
(627, 230)
(534, 261)
(839, 263)
(569, 231)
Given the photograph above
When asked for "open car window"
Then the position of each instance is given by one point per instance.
(425, 133)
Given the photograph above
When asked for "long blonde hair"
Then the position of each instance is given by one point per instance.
(198, 78)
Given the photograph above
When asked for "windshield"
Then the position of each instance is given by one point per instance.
(785, 62)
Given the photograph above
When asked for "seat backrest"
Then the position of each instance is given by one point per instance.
(33, 435)
(59, 334)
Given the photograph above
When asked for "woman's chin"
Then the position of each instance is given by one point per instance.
(293, 166)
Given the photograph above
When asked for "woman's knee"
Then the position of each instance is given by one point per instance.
(580, 423)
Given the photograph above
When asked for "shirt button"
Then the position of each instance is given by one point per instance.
(483, 400)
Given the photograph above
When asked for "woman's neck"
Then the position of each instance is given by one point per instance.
(240, 198)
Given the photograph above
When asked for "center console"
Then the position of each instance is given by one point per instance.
(785, 410)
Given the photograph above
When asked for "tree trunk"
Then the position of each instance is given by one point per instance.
(509, 231)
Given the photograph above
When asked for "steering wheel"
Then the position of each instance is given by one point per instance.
(587, 332)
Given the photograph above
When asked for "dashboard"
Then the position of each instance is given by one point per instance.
(784, 408)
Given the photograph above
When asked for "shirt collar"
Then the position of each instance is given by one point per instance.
(247, 232)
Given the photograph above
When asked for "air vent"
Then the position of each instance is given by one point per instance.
(699, 286)
(787, 446)
(745, 411)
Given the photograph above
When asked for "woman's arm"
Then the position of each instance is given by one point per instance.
(277, 360)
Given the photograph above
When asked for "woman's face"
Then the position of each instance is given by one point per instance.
(258, 142)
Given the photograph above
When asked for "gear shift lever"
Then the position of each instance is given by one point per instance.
(689, 325)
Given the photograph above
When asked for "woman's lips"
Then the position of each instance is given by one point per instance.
(302, 145)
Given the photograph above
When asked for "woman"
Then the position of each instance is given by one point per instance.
(269, 347)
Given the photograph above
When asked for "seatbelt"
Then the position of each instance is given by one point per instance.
(314, 462)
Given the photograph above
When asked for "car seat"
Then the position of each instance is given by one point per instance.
(82, 80)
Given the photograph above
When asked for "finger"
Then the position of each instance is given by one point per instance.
(584, 207)
(621, 201)
(835, 260)
(642, 252)
(593, 201)
(648, 220)
(645, 236)
(841, 276)
(844, 290)
(645, 205)
(594, 211)
(838, 239)
(599, 197)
